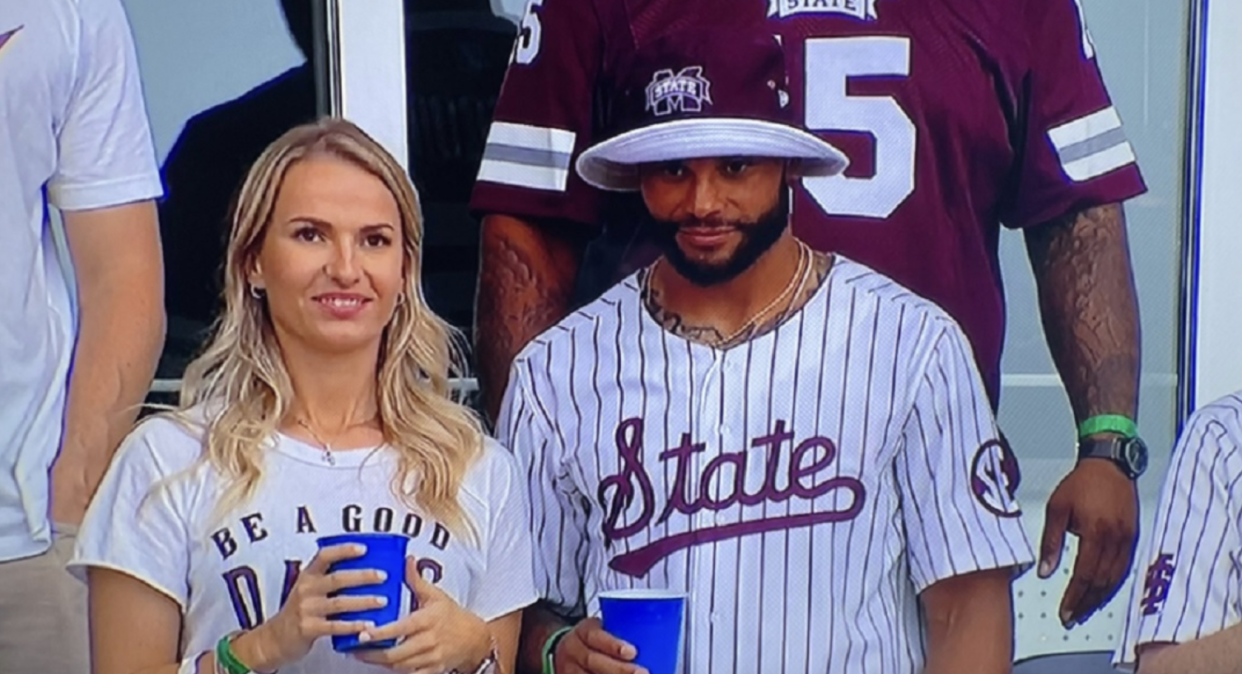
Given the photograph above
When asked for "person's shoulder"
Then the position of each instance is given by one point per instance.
(1225, 412)
(492, 475)
(165, 443)
(885, 292)
(260, 114)
(101, 15)
(603, 315)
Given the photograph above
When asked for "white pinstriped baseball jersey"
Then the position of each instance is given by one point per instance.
(803, 487)
(1191, 582)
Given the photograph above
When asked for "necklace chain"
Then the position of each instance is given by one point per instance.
(797, 282)
(801, 272)
(327, 449)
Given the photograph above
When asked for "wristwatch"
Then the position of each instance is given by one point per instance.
(1130, 454)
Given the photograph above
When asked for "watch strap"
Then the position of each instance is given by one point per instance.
(1117, 450)
(1108, 423)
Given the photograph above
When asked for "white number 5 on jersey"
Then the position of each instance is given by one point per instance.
(528, 41)
(830, 63)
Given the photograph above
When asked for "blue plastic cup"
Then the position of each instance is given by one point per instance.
(652, 621)
(385, 552)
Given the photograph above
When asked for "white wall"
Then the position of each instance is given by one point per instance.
(195, 54)
(1219, 361)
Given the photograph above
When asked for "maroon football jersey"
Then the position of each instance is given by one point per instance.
(957, 116)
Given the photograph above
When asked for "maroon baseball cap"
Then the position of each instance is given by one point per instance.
(706, 92)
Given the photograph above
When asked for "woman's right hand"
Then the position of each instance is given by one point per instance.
(289, 635)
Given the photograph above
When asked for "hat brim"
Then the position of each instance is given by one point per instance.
(613, 164)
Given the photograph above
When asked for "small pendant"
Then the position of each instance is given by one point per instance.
(328, 458)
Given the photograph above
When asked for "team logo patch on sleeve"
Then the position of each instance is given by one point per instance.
(994, 478)
(687, 91)
(1156, 585)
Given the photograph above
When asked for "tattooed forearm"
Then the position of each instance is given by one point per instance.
(525, 279)
(1089, 308)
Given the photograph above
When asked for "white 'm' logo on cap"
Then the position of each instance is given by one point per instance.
(687, 91)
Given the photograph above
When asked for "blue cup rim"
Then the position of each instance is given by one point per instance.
(642, 594)
(372, 536)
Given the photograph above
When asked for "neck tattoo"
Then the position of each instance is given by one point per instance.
(808, 276)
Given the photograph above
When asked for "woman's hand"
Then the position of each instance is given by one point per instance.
(438, 637)
(288, 636)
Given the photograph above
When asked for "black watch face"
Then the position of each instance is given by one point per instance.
(1135, 454)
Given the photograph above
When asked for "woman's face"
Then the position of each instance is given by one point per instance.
(331, 259)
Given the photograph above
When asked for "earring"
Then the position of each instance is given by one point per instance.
(256, 292)
(400, 298)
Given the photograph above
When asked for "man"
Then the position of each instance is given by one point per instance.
(800, 444)
(959, 115)
(1185, 617)
(74, 362)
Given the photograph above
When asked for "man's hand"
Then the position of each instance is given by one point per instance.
(588, 649)
(73, 482)
(1097, 503)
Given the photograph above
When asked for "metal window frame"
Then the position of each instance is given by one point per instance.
(1192, 217)
(360, 68)
(1203, 372)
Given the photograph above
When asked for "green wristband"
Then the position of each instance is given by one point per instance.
(1108, 423)
(227, 659)
(549, 648)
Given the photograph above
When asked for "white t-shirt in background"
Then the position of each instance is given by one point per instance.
(232, 572)
(73, 133)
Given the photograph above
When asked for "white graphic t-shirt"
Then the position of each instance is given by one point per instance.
(155, 518)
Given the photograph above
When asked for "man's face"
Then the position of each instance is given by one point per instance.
(715, 217)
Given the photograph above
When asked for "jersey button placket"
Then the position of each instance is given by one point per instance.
(711, 427)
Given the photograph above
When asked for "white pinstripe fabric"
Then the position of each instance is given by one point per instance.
(866, 371)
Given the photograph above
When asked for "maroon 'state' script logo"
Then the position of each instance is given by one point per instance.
(690, 495)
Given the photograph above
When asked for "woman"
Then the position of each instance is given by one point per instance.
(320, 406)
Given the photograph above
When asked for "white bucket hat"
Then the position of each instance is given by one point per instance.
(705, 93)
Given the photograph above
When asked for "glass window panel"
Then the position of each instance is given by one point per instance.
(223, 79)
(1141, 46)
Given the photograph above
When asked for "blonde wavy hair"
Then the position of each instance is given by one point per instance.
(241, 377)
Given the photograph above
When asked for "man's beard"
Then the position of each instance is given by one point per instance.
(757, 238)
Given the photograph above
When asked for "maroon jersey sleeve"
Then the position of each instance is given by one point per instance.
(544, 117)
(1076, 154)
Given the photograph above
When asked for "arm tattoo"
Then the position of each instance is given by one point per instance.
(1089, 308)
(521, 294)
